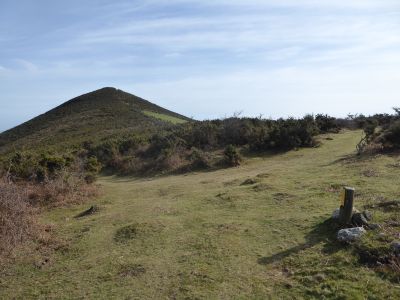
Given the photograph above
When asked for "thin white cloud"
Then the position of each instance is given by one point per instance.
(324, 37)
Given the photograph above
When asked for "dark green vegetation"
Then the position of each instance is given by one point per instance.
(174, 148)
(382, 132)
(258, 231)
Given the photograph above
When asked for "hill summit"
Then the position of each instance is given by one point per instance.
(95, 115)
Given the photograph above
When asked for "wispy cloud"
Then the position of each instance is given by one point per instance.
(323, 35)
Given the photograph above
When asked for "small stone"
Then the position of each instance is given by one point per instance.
(288, 272)
(374, 226)
(319, 277)
(350, 234)
(335, 214)
(359, 220)
(395, 246)
(288, 285)
(367, 214)
(249, 182)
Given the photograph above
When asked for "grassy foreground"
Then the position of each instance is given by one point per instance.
(253, 232)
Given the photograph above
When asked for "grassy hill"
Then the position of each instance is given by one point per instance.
(254, 232)
(102, 113)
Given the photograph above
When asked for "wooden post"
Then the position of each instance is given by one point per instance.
(346, 208)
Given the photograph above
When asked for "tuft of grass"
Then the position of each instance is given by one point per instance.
(131, 270)
(126, 233)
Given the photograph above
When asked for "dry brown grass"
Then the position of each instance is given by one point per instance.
(21, 202)
(63, 190)
(17, 217)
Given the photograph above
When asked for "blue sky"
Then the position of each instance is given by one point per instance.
(204, 59)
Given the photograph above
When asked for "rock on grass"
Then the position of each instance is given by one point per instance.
(350, 234)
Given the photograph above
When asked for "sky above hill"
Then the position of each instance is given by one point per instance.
(204, 59)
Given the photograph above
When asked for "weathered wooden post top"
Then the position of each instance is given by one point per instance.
(346, 205)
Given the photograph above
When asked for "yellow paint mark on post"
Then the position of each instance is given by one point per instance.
(342, 198)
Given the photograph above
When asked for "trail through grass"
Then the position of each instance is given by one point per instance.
(253, 232)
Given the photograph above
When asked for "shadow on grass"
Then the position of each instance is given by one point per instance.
(364, 157)
(345, 159)
(323, 232)
(183, 171)
(147, 173)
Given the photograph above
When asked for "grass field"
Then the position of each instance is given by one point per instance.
(253, 232)
(164, 117)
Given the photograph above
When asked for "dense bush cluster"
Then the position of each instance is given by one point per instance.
(189, 146)
(196, 145)
(390, 138)
(382, 132)
(44, 166)
(327, 124)
(232, 156)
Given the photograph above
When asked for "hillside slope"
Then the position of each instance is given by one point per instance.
(253, 232)
(98, 114)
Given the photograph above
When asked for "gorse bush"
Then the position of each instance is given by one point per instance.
(184, 146)
(92, 169)
(382, 132)
(327, 124)
(268, 134)
(189, 145)
(232, 156)
(391, 137)
(199, 159)
(41, 167)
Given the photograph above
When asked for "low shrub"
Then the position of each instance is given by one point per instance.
(232, 156)
(20, 200)
(17, 217)
(199, 159)
(391, 137)
(382, 133)
(92, 168)
(327, 124)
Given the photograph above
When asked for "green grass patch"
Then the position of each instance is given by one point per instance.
(164, 117)
(259, 231)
